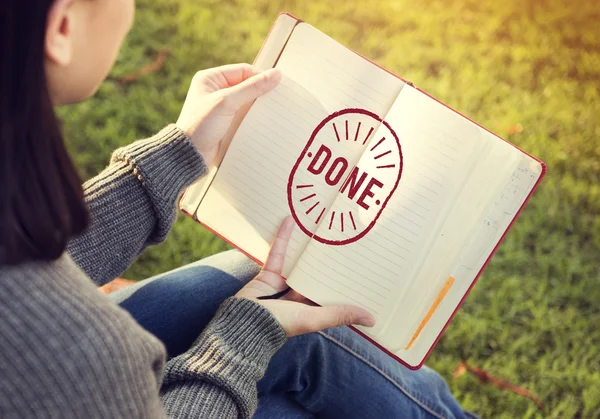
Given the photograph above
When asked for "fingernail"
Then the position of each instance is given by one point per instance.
(368, 321)
(273, 75)
(289, 223)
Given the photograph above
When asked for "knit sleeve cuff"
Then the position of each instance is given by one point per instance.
(232, 353)
(248, 328)
(164, 165)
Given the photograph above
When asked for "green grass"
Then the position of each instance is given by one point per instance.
(533, 317)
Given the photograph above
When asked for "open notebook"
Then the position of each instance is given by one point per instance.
(399, 200)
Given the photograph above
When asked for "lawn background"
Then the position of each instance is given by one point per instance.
(528, 70)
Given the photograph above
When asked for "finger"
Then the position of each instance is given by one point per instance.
(237, 73)
(325, 317)
(229, 75)
(248, 90)
(276, 258)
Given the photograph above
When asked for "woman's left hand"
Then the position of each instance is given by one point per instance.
(215, 95)
(296, 314)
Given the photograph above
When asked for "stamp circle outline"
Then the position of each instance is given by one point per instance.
(301, 157)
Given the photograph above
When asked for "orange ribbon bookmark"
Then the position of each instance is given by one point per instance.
(432, 309)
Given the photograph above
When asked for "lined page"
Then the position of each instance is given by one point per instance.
(517, 186)
(489, 175)
(248, 198)
(439, 148)
(266, 58)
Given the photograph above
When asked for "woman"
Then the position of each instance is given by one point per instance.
(66, 351)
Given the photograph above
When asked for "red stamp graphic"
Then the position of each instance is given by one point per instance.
(345, 176)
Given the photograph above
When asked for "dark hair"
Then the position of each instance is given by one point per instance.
(41, 198)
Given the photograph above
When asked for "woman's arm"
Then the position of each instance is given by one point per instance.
(217, 377)
(132, 202)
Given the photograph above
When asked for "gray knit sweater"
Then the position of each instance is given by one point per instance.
(67, 351)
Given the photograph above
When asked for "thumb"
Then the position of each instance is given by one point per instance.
(343, 315)
(251, 88)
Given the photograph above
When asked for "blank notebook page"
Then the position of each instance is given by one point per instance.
(248, 198)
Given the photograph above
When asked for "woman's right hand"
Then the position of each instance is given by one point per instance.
(214, 97)
(294, 312)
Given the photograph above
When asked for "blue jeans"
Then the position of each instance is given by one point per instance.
(331, 374)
